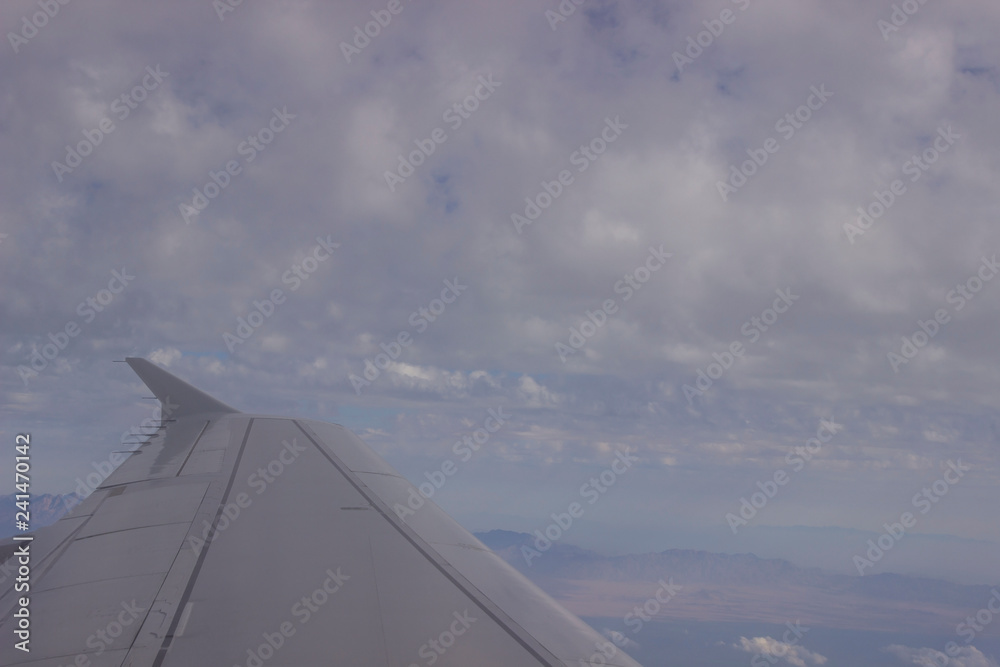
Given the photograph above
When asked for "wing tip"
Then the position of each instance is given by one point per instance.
(177, 397)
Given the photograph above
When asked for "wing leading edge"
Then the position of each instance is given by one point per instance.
(255, 540)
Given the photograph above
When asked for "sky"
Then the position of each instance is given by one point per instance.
(719, 273)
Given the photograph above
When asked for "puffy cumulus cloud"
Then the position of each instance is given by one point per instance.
(966, 656)
(482, 112)
(534, 394)
(790, 653)
(165, 356)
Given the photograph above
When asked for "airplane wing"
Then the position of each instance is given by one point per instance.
(258, 541)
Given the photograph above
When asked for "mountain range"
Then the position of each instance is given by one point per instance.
(739, 587)
(713, 587)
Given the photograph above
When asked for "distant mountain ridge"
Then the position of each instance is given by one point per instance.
(686, 566)
(45, 509)
(716, 586)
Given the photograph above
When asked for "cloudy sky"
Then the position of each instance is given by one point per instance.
(746, 246)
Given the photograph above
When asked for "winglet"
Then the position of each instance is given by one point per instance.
(177, 397)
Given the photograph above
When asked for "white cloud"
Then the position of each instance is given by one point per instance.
(793, 654)
(165, 356)
(967, 656)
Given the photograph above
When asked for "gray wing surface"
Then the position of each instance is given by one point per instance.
(237, 539)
